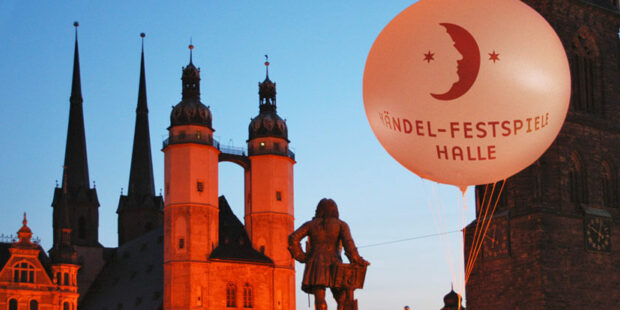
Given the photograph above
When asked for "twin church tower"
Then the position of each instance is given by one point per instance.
(210, 259)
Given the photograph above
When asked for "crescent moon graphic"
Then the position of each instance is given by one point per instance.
(468, 67)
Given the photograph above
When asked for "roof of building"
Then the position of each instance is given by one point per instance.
(234, 243)
(133, 277)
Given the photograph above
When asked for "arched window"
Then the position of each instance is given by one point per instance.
(23, 272)
(82, 228)
(13, 304)
(577, 181)
(584, 71)
(66, 306)
(58, 279)
(231, 295)
(247, 296)
(609, 186)
(34, 305)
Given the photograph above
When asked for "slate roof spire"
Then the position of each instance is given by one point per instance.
(75, 152)
(75, 203)
(141, 174)
(140, 210)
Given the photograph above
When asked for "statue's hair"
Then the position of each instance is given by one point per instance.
(326, 208)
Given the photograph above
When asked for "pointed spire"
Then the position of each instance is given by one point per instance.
(142, 108)
(191, 49)
(76, 87)
(266, 67)
(75, 152)
(141, 174)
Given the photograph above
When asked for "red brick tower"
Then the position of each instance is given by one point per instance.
(554, 242)
(269, 210)
(191, 201)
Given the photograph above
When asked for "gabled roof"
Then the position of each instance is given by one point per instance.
(234, 243)
(5, 255)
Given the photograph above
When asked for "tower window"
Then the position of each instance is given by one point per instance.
(66, 276)
(278, 195)
(198, 135)
(231, 295)
(34, 305)
(23, 272)
(200, 186)
(181, 243)
(609, 186)
(65, 306)
(576, 181)
(58, 278)
(276, 146)
(247, 296)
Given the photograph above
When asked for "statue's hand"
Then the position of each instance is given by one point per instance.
(361, 261)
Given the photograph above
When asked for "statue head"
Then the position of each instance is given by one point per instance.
(326, 208)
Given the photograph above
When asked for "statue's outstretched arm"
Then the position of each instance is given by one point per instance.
(349, 246)
(294, 242)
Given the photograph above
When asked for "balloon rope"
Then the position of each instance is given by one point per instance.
(481, 207)
(481, 223)
(486, 228)
(437, 206)
(461, 278)
(437, 219)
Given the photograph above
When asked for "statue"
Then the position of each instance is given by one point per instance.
(327, 235)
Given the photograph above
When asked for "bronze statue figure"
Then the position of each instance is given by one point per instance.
(327, 235)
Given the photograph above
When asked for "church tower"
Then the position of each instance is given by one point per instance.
(140, 210)
(269, 210)
(554, 241)
(75, 203)
(82, 200)
(191, 197)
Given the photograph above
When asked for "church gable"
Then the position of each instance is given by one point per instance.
(23, 267)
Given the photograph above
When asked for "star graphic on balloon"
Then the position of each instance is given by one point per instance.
(429, 56)
(494, 56)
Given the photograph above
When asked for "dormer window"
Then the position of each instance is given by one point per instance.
(23, 272)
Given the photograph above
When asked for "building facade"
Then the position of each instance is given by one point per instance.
(185, 251)
(554, 241)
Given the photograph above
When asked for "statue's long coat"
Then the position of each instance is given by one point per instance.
(326, 235)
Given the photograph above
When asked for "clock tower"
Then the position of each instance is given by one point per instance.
(554, 240)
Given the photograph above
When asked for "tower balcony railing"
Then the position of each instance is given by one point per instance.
(274, 151)
(196, 138)
(233, 150)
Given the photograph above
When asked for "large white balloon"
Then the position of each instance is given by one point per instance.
(467, 92)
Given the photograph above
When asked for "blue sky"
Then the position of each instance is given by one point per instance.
(317, 51)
